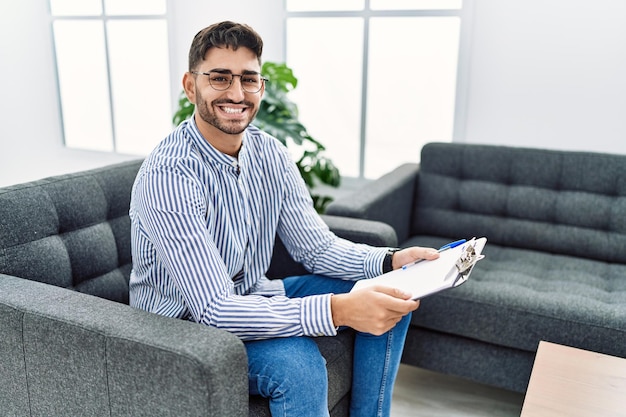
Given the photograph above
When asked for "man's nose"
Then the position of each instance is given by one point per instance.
(236, 87)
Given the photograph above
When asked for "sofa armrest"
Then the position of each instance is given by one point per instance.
(68, 353)
(370, 232)
(389, 199)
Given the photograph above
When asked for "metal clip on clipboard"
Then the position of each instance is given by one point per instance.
(466, 261)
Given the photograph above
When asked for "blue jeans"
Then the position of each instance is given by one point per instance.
(291, 372)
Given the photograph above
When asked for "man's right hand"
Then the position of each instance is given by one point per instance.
(374, 310)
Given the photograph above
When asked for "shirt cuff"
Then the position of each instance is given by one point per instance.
(316, 316)
(373, 263)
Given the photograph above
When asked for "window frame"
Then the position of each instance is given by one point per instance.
(104, 18)
(465, 15)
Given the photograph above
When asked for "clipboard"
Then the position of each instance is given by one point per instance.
(424, 278)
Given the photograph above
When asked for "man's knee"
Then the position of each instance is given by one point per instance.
(305, 366)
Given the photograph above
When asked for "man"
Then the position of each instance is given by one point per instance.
(206, 206)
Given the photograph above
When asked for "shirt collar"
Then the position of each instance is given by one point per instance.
(211, 154)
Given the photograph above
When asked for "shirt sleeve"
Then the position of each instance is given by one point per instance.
(170, 207)
(309, 240)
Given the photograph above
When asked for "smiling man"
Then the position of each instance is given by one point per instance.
(219, 115)
(206, 206)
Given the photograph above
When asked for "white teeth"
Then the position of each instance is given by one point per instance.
(231, 110)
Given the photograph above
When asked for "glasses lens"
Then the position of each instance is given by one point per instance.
(220, 81)
(251, 83)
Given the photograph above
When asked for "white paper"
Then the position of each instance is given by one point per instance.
(426, 277)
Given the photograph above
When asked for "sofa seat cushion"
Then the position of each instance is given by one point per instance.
(516, 297)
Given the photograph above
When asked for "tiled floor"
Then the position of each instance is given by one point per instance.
(421, 393)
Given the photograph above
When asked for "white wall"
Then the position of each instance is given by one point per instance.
(540, 73)
(548, 74)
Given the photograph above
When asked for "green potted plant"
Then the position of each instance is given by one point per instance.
(278, 116)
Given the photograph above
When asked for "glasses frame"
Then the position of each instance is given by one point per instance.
(208, 74)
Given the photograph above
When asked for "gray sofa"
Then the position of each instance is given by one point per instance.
(70, 345)
(555, 266)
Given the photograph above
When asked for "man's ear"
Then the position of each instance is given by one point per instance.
(189, 85)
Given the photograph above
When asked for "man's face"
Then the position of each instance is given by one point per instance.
(232, 110)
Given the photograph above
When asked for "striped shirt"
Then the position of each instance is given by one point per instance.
(203, 230)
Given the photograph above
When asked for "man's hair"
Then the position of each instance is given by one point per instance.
(224, 35)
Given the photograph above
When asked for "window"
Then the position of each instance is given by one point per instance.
(377, 78)
(113, 73)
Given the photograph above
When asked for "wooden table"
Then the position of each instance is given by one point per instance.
(572, 382)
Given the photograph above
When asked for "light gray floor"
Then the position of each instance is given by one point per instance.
(421, 393)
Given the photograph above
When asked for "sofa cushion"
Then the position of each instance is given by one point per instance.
(72, 231)
(516, 297)
(526, 199)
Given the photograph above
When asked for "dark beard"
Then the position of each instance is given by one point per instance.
(206, 113)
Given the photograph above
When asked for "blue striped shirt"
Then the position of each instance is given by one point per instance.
(203, 230)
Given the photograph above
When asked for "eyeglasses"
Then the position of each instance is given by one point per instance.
(221, 81)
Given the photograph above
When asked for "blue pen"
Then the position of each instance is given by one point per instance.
(451, 245)
(441, 249)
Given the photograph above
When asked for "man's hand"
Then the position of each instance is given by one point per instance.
(412, 254)
(374, 310)
(377, 309)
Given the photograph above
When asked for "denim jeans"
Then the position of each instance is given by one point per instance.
(291, 372)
